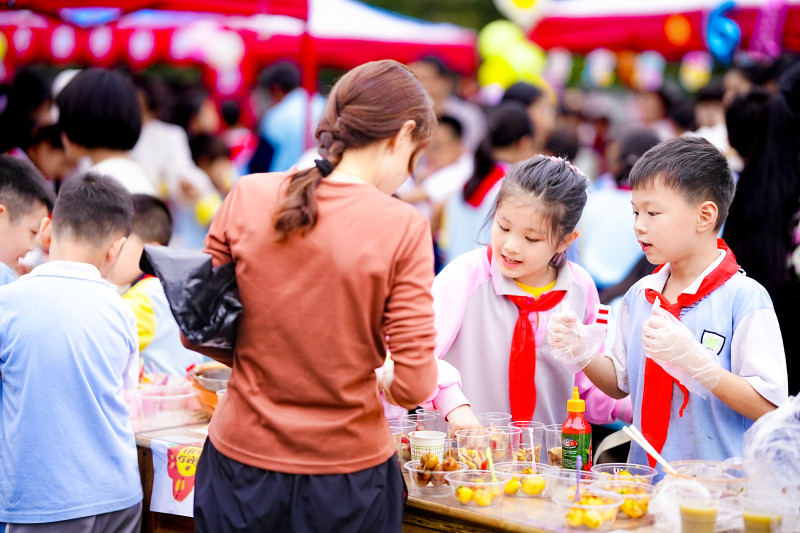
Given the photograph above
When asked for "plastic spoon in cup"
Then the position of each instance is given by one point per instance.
(491, 463)
(578, 468)
(533, 450)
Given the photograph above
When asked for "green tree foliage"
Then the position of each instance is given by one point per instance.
(468, 13)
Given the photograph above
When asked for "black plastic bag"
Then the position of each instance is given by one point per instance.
(204, 300)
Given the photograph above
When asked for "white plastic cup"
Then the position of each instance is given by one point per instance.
(423, 442)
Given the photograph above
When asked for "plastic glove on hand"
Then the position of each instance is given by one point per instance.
(573, 344)
(670, 343)
(385, 379)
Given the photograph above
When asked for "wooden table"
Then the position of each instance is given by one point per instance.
(521, 515)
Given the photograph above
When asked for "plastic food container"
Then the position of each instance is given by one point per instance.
(524, 483)
(432, 483)
(625, 472)
(476, 488)
(636, 494)
(561, 479)
(162, 407)
(595, 511)
(207, 380)
(727, 479)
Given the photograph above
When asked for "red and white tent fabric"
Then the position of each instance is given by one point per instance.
(291, 8)
(671, 27)
(230, 48)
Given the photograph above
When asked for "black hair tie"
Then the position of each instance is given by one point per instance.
(325, 167)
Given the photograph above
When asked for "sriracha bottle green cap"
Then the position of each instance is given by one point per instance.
(576, 405)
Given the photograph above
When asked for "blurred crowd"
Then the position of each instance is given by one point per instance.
(173, 141)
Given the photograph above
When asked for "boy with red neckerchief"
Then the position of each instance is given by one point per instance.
(698, 345)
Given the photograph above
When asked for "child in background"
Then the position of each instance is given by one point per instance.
(46, 151)
(159, 337)
(25, 199)
(509, 141)
(696, 325)
(67, 349)
(213, 157)
(496, 301)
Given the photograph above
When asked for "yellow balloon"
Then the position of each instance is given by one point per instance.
(498, 36)
(524, 4)
(3, 46)
(526, 58)
(495, 69)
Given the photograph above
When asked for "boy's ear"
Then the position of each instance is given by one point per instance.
(46, 232)
(707, 214)
(114, 249)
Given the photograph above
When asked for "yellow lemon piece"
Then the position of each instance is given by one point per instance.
(533, 485)
(634, 508)
(574, 517)
(464, 495)
(592, 519)
(624, 473)
(512, 487)
(482, 497)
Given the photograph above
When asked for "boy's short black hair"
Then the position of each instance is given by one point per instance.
(22, 187)
(283, 74)
(152, 221)
(208, 148)
(93, 209)
(692, 166)
(99, 109)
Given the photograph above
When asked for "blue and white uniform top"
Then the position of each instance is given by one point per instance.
(68, 347)
(738, 322)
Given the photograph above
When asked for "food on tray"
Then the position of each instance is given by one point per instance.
(533, 485)
(524, 454)
(554, 456)
(432, 471)
(474, 459)
(403, 446)
(582, 514)
(513, 486)
(479, 494)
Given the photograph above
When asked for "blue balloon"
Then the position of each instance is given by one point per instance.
(722, 34)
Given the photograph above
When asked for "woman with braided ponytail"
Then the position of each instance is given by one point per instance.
(332, 271)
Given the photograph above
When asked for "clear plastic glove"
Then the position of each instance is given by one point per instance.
(573, 343)
(670, 344)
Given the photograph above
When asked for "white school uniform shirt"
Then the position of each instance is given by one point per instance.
(739, 322)
(474, 329)
(67, 349)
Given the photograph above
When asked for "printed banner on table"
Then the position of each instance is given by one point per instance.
(174, 467)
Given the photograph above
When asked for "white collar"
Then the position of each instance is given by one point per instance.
(68, 269)
(658, 280)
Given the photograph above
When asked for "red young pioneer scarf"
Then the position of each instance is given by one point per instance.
(657, 391)
(522, 360)
(497, 173)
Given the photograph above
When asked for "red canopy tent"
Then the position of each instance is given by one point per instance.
(671, 27)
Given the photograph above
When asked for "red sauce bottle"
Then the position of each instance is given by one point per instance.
(576, 434)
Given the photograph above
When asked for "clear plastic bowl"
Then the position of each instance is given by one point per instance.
(475, 487)
(726, 479)
(595, 511)
(524, 482)
(162, 407)
(423, 482)
(560, 479)
(626, 472)
(636, 494)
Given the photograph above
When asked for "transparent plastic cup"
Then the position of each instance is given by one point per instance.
(472, 445)
(530, 448)
(422, 422)
(552, 444)
(494, 418)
